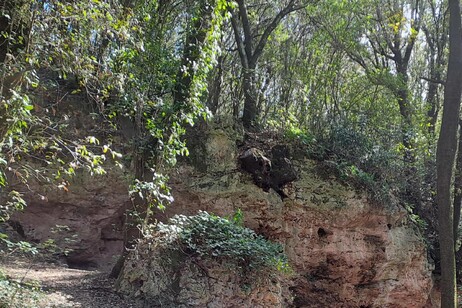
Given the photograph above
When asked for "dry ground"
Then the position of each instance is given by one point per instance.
(59, 286)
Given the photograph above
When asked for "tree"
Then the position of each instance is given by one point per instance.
(250, 45)
(166, 92)
(445, 156)
(435, 30)
(381, 39)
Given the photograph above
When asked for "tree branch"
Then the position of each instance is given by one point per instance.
(437, 81)
(246, 27)
(291, 7)
(239, 42)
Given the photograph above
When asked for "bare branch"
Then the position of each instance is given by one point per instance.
(437, 81)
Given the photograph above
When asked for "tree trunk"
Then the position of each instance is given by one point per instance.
(213, 99)
(436, 39)
(445, 156)
(405, 108)
(458, 187)
(249, 55)
(192, 52)
(250, 98)
(195, 38)
(432, 101)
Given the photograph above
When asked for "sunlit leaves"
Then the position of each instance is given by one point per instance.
(155, 192)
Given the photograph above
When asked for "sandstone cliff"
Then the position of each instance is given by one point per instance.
(345, 250)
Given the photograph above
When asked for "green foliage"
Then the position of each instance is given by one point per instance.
(164, 83)
(18, 294)
(43, 37)
(14, 202)
(127, 60)
(296, 133)
(416, 219)
(360, 161)
(211, 236)
(43, 249)
(155, 192)
(20, 247)
(238, 218)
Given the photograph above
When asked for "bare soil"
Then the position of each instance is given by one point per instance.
(60, 286)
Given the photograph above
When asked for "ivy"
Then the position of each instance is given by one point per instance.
(209, 236)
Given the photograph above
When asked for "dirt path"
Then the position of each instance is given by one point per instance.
(64, 287)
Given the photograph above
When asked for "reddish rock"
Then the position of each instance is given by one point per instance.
(85, 220)
(345, 250)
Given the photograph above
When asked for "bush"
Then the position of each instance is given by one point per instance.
(207, 235)
(362, 161)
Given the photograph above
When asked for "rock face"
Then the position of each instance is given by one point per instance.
(345, 250)
(85, 220)
(158, 277)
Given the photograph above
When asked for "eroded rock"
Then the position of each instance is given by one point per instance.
(158, 275)
(85, 221)
(345, 250)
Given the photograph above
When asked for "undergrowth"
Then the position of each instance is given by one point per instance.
(207, 235)
(18, 293)
(355, 159)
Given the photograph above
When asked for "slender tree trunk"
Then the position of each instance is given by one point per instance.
(131, 229)
(413, 186)
(405, 109)
(433, 103)
(458, 186)
(433, 111)
(436, 39)
(250, 98)
(215, 86)
(250, 49)
(406, 131)
(445, 156)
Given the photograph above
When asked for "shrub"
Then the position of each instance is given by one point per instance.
(207, 235)
(18, 294)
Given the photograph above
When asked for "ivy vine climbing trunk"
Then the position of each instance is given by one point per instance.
(198, 28)
(195, 39)
(445, 156)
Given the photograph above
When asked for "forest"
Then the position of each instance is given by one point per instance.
(369, 88)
